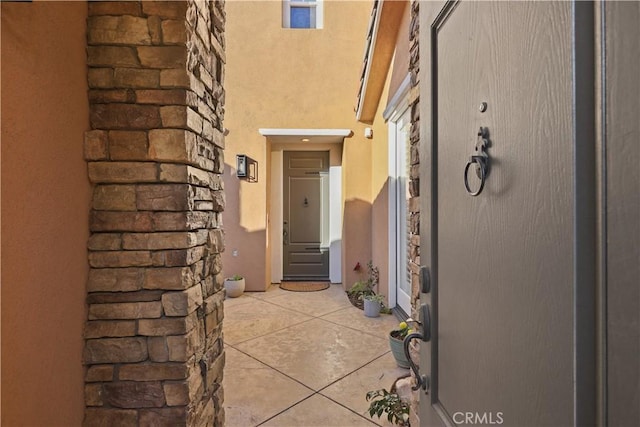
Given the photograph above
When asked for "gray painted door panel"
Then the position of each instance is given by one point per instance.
(502, 261)
(306, 202)
(622, 212)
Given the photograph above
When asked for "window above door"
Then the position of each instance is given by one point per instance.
(305, 14)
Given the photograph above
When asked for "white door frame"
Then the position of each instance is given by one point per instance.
(276, 217)
(397, 107)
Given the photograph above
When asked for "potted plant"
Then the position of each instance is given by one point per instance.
(382, 401)
(363, 287)
(396, 338)
(357, 292)
(372, 304)
(234, 286)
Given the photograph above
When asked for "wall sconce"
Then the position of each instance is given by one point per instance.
(246, 168)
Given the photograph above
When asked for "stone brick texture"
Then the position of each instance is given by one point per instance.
(153, 338)
(414, 186)
(414, 138)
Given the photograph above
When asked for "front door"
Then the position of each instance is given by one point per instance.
(505, 258)
(306, 215)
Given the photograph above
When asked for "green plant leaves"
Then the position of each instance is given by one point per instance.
(382, 401)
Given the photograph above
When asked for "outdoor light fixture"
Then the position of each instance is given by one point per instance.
(246, 168)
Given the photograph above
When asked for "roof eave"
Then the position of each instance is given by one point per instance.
(378, 57)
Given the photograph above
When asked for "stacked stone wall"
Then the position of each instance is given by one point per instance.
(414, 188)
(153, 352)
(414, 176)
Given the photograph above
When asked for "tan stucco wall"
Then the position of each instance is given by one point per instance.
(45, 203)
(396, 73)
(356, 191)
(291, 78)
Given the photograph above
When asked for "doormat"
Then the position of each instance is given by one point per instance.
(304, 286)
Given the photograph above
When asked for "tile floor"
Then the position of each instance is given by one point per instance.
(298, 359)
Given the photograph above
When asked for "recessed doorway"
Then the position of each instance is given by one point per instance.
(305, 225)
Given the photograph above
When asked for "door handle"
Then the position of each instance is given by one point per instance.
(422, 381)
(481, 160)
(285, 236)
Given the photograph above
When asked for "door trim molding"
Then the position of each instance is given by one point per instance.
(393, 212)
(585, 209)
(399, 101)
(430, 103)
(601, 167)
(274, 223)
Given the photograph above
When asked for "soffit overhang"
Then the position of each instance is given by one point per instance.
(308, 136)
(386, 17)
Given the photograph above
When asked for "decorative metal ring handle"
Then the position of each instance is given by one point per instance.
(481, 170)
(421, 380)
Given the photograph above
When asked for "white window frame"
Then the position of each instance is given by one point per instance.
(397, 107)
(318, 5)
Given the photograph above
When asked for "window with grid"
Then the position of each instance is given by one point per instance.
(302, 14)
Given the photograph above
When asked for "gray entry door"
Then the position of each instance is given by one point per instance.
(306, 215)
(504, 262)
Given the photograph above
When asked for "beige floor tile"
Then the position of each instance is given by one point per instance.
(351, 391)
(253, 392)
(313, 303)
(316, 352)
(318, 411)
(354, 318)
(272, 291)
(256, 318)
(242, 299)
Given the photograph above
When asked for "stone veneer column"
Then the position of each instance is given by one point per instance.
(414, 138)
(414, 188)
(154, 354)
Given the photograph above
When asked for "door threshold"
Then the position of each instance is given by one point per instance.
(399, 313)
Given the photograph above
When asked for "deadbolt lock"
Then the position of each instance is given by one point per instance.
(425, 280)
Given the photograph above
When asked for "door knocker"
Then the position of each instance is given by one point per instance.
(481, 160)
(306, 202)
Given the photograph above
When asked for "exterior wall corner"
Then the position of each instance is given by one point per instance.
(153, 349)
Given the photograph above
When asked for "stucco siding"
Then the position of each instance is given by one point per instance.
(298, 79)
(45, 203)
